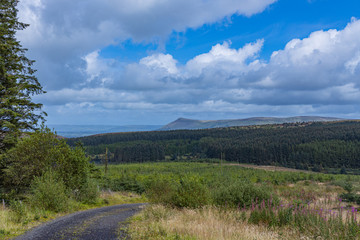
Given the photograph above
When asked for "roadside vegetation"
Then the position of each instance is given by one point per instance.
(213, 201)
(45, 178)
(41, 177)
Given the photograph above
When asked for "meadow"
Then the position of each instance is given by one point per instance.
(213, 201)
(199, 200)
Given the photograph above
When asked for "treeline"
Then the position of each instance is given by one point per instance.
(314, 146)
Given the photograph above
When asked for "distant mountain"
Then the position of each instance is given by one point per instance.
(70, 131)
(184, 123)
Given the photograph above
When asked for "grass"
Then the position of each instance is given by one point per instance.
(208, 223)
(302, 214)
(215, 215)
(305, 205)
(17, 220)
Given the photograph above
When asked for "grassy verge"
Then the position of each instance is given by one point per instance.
(17, 219)
(209, 201)
(303, 210)
(207, 223)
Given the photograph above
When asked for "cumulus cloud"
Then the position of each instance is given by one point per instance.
(223, 58)
(320, 69)
(61, 33)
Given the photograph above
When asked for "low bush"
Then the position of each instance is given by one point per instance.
(124, 183)
(49, 193)
(42, 150)
(350, 197)
(188, 192)
(240, 194)
(88, 192)
(162, 191)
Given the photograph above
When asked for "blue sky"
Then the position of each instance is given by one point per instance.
(278, 24)
(123, 62)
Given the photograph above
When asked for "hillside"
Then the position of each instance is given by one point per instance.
(73, 131)
(184, 123)
(69, 131)
(318, 146)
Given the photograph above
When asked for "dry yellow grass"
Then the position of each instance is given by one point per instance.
(209, 223)
(267, 168)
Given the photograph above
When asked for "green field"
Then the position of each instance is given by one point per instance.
(275, 203)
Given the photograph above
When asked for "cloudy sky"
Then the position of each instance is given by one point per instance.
(121, 62)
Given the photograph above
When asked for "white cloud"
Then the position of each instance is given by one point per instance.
(353, 63)
(160, 62)
(308, 73)
(314, 74)
(62, 33)
(222, 57)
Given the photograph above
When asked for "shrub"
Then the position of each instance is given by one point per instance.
(39, 152)
(88, 192)
(125, 183)
(350, 197)
(240, 194)
(49, 193)
(161, 191)
(190, 193)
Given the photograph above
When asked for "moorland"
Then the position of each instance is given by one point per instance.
(222, 183)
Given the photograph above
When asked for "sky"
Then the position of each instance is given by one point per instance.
(131, 62)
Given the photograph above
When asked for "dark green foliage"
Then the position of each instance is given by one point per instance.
(88, 192)
(17, 80)
(162, 191)
(317, 146)
(49, 193)
(18, 113)
(41, 151)
(141, 152)
(241, 194)
(124, 183)
(350, 195)
(189, 192)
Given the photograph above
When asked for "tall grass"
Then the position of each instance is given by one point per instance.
(303, 206)
(311, 220)
(207, 223)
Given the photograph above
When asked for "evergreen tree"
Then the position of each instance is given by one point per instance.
(17, 81)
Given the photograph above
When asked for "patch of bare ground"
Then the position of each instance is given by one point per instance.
(267, 168)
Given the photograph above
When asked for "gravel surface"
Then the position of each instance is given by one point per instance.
(104, 223)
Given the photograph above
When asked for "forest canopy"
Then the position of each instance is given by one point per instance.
(312, 146)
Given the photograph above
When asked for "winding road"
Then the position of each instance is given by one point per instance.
(106, 223)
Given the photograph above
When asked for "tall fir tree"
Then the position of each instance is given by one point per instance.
(18, 83)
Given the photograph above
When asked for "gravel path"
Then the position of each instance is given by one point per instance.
(106, 223)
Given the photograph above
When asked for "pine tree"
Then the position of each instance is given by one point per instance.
(18, 83)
